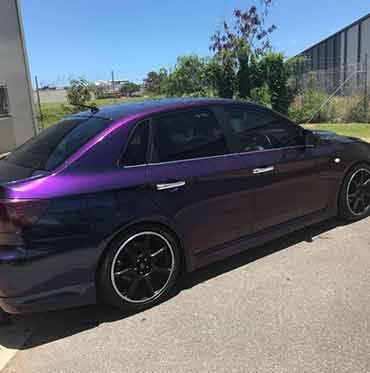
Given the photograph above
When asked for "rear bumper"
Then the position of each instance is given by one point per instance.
(73, 296)
(31, 281)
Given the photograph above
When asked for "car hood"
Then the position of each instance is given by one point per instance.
(332, 136)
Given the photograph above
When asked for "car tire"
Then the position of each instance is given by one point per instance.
(354, 199)
(139, 269)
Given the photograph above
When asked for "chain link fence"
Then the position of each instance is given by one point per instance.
(337, 93)
(351, 80)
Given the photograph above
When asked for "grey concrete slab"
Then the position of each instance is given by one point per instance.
(299, 304)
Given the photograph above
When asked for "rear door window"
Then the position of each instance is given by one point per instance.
(187, 135)
(54, 145)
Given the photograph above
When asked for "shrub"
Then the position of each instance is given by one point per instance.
(305, 108)
(261, 95)
(357, 110)
(337, 110)
(129, 88)
(79, 92)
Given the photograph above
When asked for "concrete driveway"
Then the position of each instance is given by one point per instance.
(299, 304)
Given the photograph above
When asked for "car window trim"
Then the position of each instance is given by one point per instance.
(220, 156)
(155, 116)
(129, 138)
(211, 108)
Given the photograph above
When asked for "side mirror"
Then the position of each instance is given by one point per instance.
(310, 139)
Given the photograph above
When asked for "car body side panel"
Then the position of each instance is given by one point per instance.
(224, 251)
(291, 190)
(53, 264)
(213, 207)
(94, 171)
(59, 256)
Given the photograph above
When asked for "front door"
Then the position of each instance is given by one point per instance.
(197, 182)
(291, 190)
(285, 179)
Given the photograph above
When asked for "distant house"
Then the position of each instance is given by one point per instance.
(109, 88)
(17, 115)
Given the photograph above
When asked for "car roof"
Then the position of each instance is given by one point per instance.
(120, 111)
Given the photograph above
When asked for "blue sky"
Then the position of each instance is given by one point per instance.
(69, 38)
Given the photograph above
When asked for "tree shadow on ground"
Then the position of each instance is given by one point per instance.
(51, 326)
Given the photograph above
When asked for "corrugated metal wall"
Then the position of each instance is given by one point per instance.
(343, 53)
(365, 43)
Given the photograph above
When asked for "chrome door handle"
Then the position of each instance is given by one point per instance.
(263, 170)
(174, 185)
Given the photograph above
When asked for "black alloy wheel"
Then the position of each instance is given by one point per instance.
(140, 269)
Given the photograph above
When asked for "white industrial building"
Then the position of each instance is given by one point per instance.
(17, 116)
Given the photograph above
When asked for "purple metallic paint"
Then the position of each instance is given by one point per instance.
(222, 210)
(92, 168)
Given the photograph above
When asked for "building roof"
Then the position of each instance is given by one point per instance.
(336, 33)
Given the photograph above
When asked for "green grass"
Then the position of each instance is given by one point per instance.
(55, 111)
(361, 130)
(52, 113)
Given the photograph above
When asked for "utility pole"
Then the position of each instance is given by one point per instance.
(112, 81)
(39, 102)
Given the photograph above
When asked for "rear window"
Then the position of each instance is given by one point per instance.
(54, 145)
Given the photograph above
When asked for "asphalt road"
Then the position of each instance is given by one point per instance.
(299, 304)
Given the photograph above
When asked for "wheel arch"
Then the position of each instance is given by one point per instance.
(349, 169)
(158, 223)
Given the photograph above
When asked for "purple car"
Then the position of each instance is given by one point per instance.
(113, 204)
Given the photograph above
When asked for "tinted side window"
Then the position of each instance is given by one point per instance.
(186, 135)
(136, 151)
(252, 130)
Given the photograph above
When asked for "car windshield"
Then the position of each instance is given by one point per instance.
(54, 145)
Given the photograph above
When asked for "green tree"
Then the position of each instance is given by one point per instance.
(261, 95)
(239, 48)
(297, 67)
(163, 80)
(275, 72)
(189, 77)
(156, 82)
(222, 76)
(128, 88)
(152, 83)
(79, 92)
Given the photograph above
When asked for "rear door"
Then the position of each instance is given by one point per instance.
(285, 177)
(196, 180)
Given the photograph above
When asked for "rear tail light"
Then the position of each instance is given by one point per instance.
(19, 214)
